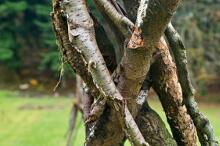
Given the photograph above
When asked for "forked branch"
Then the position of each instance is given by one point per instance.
(82, 37)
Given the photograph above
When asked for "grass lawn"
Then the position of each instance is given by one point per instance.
(43, 121)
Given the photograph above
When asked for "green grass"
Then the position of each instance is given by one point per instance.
(43, 121)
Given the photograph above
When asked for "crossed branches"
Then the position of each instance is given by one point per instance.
(120, 95)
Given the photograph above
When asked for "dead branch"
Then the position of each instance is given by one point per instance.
(166, 84)
(203, 126)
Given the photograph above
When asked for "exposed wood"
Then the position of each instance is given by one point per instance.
(121, 96)
(203, 126)
(166, 84)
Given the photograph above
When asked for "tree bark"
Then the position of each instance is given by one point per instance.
(132, 71)
(153, 128)
(166, 84)
(82, 36)
(203, 126)
(122, 96)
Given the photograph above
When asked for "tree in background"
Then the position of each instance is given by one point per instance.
(26, 38)
(113, 98)
(203, 17)
(29, 28)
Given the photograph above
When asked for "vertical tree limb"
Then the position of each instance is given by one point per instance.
(204, 127)
(166, 84)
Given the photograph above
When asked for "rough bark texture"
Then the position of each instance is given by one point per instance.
(123, 100)
(130, 75)
(151, 125)
(70, 53)
(203, 126)
(136, 62)
(82, 36)
(166, 84)
(132, 71)
(153, 128)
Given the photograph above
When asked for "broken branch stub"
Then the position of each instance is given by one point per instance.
(136, 40)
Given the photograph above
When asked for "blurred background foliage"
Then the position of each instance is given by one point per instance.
(198, 22)
(28, 49)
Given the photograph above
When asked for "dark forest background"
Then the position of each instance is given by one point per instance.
(29, 57)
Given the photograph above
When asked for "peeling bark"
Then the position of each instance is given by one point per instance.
(131, 74)
(166, 84)
(111, 119)
(70, 53)
(203, 126)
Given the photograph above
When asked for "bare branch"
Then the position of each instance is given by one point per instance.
(131, 72)
(117, 18)
(166, 84)
(204, 127)
(141, 13)
(70, 53)
(82, 36)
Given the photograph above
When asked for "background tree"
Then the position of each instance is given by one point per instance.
(32, 31)
(120, 110)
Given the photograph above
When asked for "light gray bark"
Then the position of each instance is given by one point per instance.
(82, 36)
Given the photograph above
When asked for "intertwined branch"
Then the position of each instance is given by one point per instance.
(121, 110)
